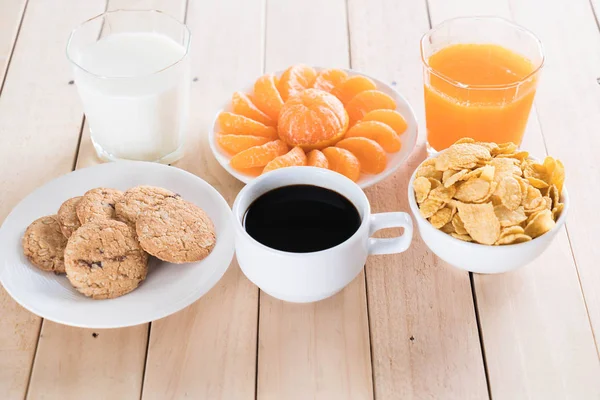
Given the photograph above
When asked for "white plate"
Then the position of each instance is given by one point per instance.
(168, 287)
(395, 160)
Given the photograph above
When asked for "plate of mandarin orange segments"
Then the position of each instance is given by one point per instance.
(337, 119)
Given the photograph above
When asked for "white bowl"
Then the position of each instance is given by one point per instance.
(475, 257)
(395, 160)
(168, 287)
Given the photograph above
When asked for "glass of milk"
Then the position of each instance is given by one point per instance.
(132, 70)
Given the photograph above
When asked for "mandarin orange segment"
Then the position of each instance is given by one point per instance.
(233, 144)
(267, 97)
(254, 172)
(239, 125)
(377, 131)
(295, 79)
(242, 104)
(259, 156)
(370, 154)
(312, 119)
(316, 158)
(366, 101)
(392, 118)
(342, 161)
(329, 79)
(293, 158)
(352, 86)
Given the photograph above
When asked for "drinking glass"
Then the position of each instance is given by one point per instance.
(492, 111)
(132, 72)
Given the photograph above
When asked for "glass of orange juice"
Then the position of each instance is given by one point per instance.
(480, 76)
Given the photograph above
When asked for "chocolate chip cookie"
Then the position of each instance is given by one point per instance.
(44, 244)
(177, 231)
(103, 259)
(98, 204)
(140, 198)
(67, 216)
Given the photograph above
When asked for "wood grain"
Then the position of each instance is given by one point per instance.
(568, 111)
(85, 364)
(75, 363)
(208, 350)
(34, 124)
(424, 335)
(10, 20)
(18, 328)
(320, 350)
(537, 337)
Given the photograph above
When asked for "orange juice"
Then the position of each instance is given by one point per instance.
(483, 91)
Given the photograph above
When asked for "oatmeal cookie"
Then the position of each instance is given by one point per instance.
(177, 231)
(98, 204)
(104, 260)
(67, 216)
(140, 198)
(44, 244)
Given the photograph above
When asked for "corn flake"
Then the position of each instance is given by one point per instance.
(430, 206)
(458, 225)
(448, 228)
(462, 155)
(465, 238)
(511, 230)
(557, 210)
(441, 217)
(509, 217)
(422, 186)
(513, 239)
(442, 193)
(472, 190)
(539, 224)
(458, 176)
(508, 192)
(427, 169)
(480, 221)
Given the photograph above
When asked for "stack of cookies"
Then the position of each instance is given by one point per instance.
(102, 239)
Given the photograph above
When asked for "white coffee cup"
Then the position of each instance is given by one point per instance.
(307, 277)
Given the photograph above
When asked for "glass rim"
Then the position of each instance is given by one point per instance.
(456, 83)
(104, 14)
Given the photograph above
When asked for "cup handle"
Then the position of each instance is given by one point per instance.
(394, 245)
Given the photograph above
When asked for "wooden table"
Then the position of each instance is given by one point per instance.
(410, 326)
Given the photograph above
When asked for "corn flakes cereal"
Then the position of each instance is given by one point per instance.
(490, 193)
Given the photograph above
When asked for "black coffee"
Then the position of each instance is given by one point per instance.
(301, 219)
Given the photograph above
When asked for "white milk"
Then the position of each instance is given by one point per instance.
(135, 95)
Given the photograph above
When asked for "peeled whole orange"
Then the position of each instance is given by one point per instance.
(312, 119)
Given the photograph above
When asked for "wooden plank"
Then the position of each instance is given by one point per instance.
(568, 111)
(10, 21)
(32, 122)
(84, 364)
(75, 363)
(208, 350)
(319, 350)
(18, 328)
(537, 337)
(424, 335)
